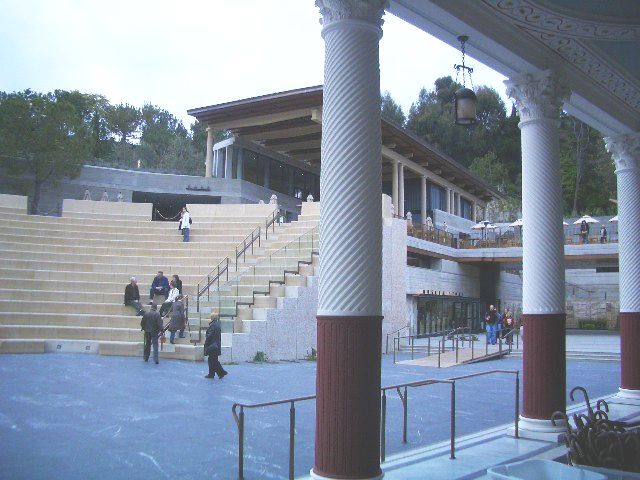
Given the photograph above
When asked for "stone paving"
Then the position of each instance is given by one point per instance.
(79, 416)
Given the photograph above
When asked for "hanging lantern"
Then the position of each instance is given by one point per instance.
(465, 99)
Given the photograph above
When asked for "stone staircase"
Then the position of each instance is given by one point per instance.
(284, 264)
(63, 278)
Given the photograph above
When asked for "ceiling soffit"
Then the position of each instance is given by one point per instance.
(577, 41)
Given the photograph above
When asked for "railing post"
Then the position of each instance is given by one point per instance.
(472, 344)
(412, 342)
(394, 350)
(453, 421)
(517, 415)
(386, 346)
(198, 298)
(383, 423)
(292, 437)
(429, 346)
(241, 444)
(228, 269)
(439, 355)
(456, 349)
(208, 287)
(404, 425)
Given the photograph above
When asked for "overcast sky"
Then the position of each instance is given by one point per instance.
(187, 54)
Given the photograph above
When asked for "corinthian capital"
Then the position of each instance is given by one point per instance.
(625, 150)
(537, 95)
(370, 11)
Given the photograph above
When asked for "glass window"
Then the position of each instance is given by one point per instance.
(437, 200)
(303, 184)
(279, 176)
(253, 168)
(467, 208)
(218, 163)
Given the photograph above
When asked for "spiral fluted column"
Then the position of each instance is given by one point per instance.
(347, 441)
(208, 159)
(625, 150)
(539, 98)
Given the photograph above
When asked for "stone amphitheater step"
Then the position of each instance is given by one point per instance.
(98, 319)
(63, 306)
(82, 287)
(132, 349)
(144, 279)
(105, 268)
(19, 233)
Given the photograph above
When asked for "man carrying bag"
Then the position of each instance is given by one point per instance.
(213, 347)
(151, 324)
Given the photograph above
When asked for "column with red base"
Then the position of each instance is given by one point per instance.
(625, 150)
(347, 444)
(539, 98)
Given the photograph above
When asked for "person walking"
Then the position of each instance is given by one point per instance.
(508, 324)
(213, 348)
(177, 319)
(151, 324)
(491, 318)
(603, 234)
(159, 286)
(132, 296)
(185, 224)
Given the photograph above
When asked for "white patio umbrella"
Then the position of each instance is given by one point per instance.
(565, 223)
(479, 226)
(614, 219)
(517, 223)
(586, 218)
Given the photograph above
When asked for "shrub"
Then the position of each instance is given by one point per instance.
(260, 357)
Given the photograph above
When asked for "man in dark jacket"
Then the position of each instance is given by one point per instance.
(151, 324)
(213, 348)
(160, 286)
(491, 319)
(132, 296)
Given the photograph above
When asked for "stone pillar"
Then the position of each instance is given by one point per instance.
(458, 205)
(474, 212)
(394, 185)
(423, 199)
(448, 192)
(240, 154)
(539, 98)
(401, 190)
(625, 150)
(208, 159)
(347, 437)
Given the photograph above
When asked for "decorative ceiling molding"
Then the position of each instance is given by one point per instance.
(570, 38)
(528, 13)
(592, 64)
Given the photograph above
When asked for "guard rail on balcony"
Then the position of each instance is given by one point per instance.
(238, 412)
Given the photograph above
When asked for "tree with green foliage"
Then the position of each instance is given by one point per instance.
(42, 136)
(123, 120)
(390, 110)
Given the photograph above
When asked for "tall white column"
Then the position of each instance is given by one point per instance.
(474, 213)
(625, 150)
(208, 159)
(539, 98)
(394, 185)
(350, 290)
(401, 189)
(458, 205)
(448, 199)
(423, 199)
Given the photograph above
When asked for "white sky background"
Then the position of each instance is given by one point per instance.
(193, 53)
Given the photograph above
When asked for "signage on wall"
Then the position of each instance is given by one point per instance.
(443, 293)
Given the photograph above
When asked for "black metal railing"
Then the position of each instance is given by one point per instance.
(238, 412)
(248, 243)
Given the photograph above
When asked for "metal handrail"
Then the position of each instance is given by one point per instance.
(395, 332)
(444, 334)
(237, 411)
(243, 246)
(271, 222)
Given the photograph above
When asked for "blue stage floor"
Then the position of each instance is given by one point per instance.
(65, 416)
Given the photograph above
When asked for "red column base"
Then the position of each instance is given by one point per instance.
(543, 365)
(348, 397)
(630, 350)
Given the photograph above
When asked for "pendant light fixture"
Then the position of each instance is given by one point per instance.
(465, 99)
